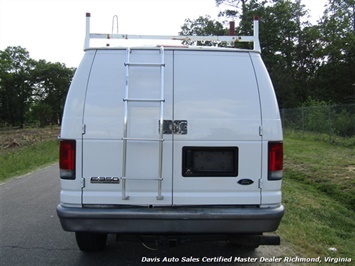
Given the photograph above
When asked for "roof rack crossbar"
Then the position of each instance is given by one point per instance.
(254, 39)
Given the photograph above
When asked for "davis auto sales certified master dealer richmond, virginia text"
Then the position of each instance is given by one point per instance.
(231, 259)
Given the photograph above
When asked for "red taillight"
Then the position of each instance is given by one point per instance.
(67, 159)
(275, 160)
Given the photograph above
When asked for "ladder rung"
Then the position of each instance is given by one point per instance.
(145, 64)
(142, 139)
(142, 100)
(139, 178)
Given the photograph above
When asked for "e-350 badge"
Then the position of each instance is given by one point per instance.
(105, 180)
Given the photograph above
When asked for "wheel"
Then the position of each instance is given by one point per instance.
(90, 242)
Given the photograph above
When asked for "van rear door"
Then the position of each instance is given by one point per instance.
(218, 159)
(104, 119)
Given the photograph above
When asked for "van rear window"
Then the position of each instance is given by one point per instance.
(209, 161)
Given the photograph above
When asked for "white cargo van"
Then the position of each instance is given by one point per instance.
(171, 141)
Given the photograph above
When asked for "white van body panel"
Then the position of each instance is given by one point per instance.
(103, 118)
(209, 93)
(74, 107)
(218, 95)
(271, 128)
(214, 119)
(72, 128)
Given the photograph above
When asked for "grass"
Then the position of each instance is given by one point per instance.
(318, 194)
(25, 150)
(314, 222)
(329, 168)
(334, 139)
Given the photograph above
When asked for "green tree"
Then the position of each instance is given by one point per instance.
(15, 84)
(309, 59)
(337, 72)
(202, 26)
(235, 8)
(28, 86)
(5, 78)
(43, 113)
(52, 81)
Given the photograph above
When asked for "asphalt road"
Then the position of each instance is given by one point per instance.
(30, 234)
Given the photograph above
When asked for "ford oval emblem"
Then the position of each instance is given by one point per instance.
(245, 182)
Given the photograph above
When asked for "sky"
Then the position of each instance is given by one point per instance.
(54, 30)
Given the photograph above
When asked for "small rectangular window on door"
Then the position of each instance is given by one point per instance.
(209, 161)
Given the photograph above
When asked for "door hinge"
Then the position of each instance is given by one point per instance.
(260, 183)
(83, 129)
(261, 130)
(83, 182)
(180, 127)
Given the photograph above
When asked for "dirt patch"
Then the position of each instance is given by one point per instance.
(17, 138)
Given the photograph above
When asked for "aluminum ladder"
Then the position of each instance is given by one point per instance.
(127, 138)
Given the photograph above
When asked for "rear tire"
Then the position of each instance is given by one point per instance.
(90, 242)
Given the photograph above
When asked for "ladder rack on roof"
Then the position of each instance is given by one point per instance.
(254, 39)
